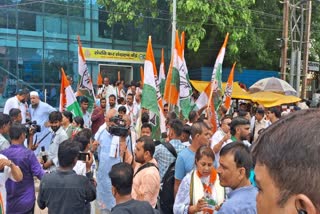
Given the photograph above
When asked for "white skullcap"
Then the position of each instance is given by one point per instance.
(34, 93)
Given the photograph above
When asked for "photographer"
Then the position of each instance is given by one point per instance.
(86, 163)
(39, 114)
(114, 143)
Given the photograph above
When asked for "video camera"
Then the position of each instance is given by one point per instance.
(32, 125)
(119, 129)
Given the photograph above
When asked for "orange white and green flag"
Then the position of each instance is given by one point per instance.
(212, 95)
(68, 100)
(150, 94)
(85, 86)
(162, 75)
(229, 88)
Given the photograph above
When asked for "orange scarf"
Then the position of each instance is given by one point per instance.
(212, 180)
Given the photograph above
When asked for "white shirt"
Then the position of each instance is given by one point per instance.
(3, 178)
(87, 119)
(215, 139)
(132, 111)
(13, 102)
(56, 139)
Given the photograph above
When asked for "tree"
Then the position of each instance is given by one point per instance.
(192, 16)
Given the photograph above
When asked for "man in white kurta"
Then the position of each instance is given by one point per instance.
(39, 111)
(19, 102)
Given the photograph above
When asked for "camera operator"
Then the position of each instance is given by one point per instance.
(114, 141)
(39, 112)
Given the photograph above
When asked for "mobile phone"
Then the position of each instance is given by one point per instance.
(82, 156)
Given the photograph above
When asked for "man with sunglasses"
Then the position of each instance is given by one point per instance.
(220, 137)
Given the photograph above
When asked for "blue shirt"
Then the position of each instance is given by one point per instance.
(164, 157)
(184, 163)
(241, 200)
(41, 115)
(21, 195)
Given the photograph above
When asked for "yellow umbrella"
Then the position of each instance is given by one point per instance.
(265, 98)
(237, 92)
(269, 99)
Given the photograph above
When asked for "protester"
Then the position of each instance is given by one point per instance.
(63, 191)
(108, 155)
(200, 189)
(86, 115)
(4, 129)
(259, 124)
(273, 114)
(15, 115)
(146, 129)
(39, 112)
(200, 134)
(162, 154)
(234, 171)
(77, 124)
(106, 89)
(146, 179)
(121, 175)
(21, 195)
(221, 137)
(97, 117)
(240, 130)
(185, 136)
(287, 165)
(19, 102)
(67, 119)
(58, 136)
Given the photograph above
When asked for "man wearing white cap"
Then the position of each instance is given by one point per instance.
(39, 111)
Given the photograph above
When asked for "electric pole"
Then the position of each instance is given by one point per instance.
(306, 50)
(285, 39)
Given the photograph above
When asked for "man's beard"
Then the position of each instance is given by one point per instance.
(112, 105)
(55, 128)
(35, 105)
(22, 101)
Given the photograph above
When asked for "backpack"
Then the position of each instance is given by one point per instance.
(167, 191)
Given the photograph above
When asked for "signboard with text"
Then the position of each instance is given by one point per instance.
(107, 55)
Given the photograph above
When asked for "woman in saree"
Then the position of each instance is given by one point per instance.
(200, 191)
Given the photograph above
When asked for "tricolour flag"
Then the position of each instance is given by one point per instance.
(228, 90)
(211, 96)
(99, 78)
(68, 100)
(162, 75)
(141, 75)
(171, 92)
(85, 86)
(150, 92)
(185, 86)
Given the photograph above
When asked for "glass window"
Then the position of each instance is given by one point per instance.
(76, 26)
(30, 65)
(105, 31)
(27, 21)
(7, 18)
(123, 31)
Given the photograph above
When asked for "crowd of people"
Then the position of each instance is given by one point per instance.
(259, 160)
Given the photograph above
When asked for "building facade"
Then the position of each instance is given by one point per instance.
(37, 38)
